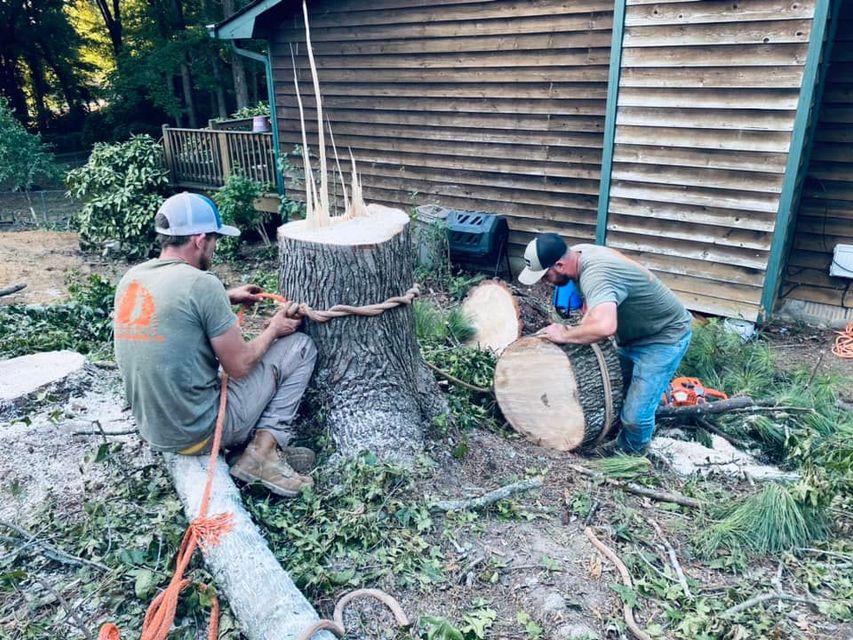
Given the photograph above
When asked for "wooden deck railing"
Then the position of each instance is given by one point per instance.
(204, 158)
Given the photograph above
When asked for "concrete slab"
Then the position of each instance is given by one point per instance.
(23, 375)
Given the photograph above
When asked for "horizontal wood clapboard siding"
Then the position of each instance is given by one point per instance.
(825, 215)
(497, 106)
(707, 98)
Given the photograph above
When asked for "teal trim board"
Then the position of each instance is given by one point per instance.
(796, 155)
(610, 119)
(241, 25)
(276, 147)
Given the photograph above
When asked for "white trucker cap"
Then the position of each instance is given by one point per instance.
(190, 214)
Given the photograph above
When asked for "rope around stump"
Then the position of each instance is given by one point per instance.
(342, 310)
(608, 392)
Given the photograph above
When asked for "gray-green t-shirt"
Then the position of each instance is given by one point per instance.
(166, 313)
(647, 312)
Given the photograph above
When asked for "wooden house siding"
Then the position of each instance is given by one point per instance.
(708, 93)
(825, 216)
(497, 106)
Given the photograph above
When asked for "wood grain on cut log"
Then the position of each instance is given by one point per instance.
(376, 393)
(266, 602)
(500, 314)
(555, 394)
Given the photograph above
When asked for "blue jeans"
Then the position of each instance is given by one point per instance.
(647, 370)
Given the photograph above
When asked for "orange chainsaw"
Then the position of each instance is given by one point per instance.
(685, 392)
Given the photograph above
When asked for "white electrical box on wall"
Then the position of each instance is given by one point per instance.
(842, 261)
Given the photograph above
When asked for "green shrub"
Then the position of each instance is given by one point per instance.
(23, 156)
(121, 186)
(82, 324)
(236, 202)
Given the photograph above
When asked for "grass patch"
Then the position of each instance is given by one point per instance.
(622, 466)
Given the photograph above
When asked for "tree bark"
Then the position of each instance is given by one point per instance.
(260, 593)
(238, 67)
(556, 394)
(376, 392)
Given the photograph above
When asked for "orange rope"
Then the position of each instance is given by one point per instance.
(844, 343)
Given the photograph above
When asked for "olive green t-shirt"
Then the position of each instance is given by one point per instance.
(166, 312)
(647, 312)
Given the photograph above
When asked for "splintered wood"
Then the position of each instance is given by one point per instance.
(318, 211)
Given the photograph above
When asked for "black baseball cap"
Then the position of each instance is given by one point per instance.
(540, 255)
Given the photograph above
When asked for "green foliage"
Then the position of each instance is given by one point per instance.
(23, 156)
(475, 625)
(358, 528)
(132, 522)
(437, 326)
(459, 285)
(82, 324)
(765, 522)
(236, 205)
(120, 187)
(260, 109)
(624, 467)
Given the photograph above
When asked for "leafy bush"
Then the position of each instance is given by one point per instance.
(236, 202)
(260, 109)
(121, 186)
(82, 324)
(23, 156)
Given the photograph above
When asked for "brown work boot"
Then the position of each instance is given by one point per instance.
(302, 459)
(270, 470)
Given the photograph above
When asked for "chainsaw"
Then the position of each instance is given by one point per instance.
(685, 392)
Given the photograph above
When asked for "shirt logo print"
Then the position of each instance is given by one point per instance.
(136, 315)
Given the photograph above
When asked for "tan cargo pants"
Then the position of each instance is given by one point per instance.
(268, 398)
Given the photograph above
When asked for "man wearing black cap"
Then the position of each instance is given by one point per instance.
(621, 298)
(174, 328)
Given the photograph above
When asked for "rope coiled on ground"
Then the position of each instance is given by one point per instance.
(844, 343)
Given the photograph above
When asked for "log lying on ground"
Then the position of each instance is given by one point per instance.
(12, 288)
(377, 393)
(501, 314)
(559, 396)
(260, 593)
(718, 406)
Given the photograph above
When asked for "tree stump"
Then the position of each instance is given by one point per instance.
(560, 396)
(501, 313)
(376, 392)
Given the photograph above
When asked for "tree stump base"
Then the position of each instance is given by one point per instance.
(376, 393)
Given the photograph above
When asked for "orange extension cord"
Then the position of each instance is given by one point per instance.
(844, 343)
(203, 530)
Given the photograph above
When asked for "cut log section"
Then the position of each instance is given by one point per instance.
(560, 396)
(374, 387)
(501, 314)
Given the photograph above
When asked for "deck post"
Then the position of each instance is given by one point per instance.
(224, 155)
(168, 153)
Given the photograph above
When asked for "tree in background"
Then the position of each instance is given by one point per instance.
(23, 156)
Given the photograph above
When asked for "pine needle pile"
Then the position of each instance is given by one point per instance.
(624, 467)
(765, 522)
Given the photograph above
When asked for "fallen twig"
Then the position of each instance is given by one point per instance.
(51, 552)
(774, 595)
(660, 496)
(104, 364)
(709, 426)
(626, 580)
(455, 380)
(104, 433)
(12, 288)
(673, 559)
(70, 612)
(487, 498)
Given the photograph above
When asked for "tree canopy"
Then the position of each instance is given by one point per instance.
(82, 71)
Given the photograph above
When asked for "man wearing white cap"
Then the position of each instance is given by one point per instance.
(174, 328)
(622, 298)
